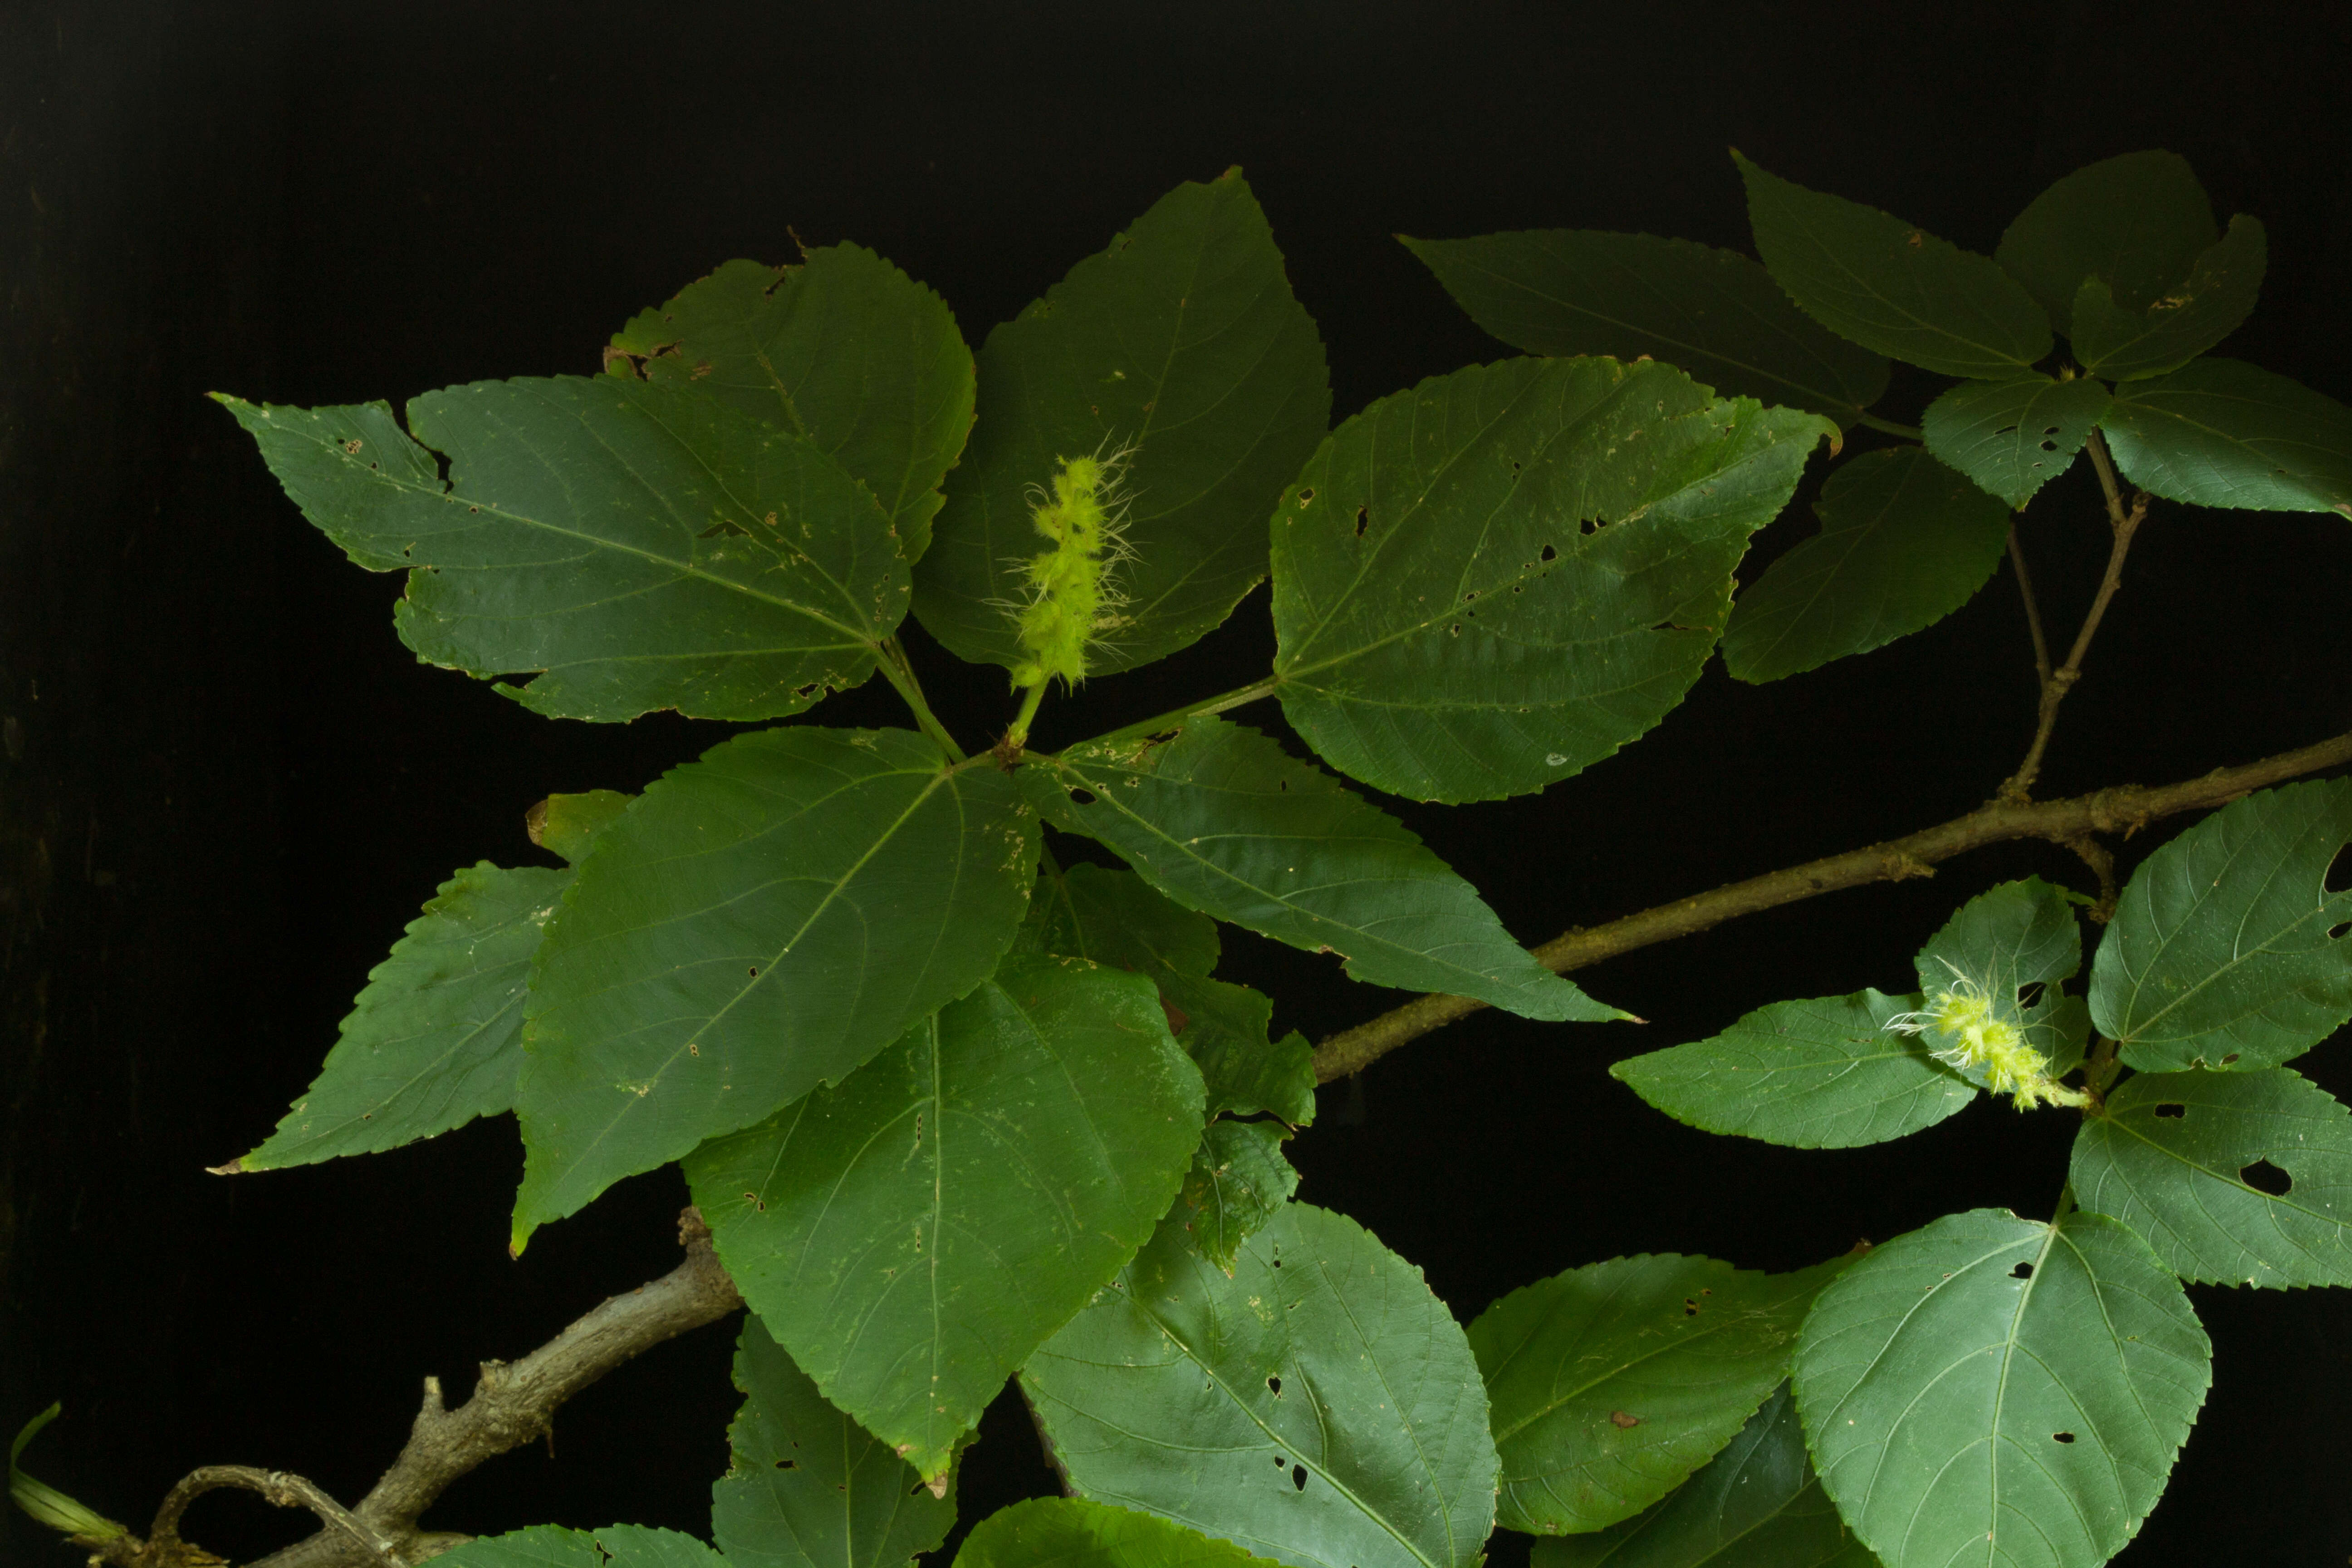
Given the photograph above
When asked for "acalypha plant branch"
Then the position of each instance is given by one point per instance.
(937, 1037)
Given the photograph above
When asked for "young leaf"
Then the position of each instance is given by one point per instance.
(1319, 1407)
(1182, 344)
(1999, 1391)
(1757, 1504)
(1238, 1183)
(1221, 821)
(643, 546)
(1069, 1532)
(1611, 1384)
(809, 1488)
(912, 1234)
(2220, 432)
(1891, 286)
(2171, 1156)
(1115, 918)
(2126, 344)
(1903, 543)
(1716, 313)
(432, 1042)
(762, 920)
(2137, 222)
(2017, 942)
(2013, 437)
(1824, 1074)
(613, 1546)
(567, 825)
(1503, 575)
(2220, 953)
(842, 348)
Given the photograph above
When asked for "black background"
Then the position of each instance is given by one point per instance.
(226, 788)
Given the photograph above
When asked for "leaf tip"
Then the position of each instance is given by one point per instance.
(236, 1167)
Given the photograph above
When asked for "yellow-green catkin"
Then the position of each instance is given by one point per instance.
(1069, 598)
(1982, 1040)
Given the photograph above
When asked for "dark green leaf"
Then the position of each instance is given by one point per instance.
(568, 824)
(1903, 543)
(1115, 918)
(2000, 1392)
(1716, 313)
(1503, 575)
(432, 1042)
(762, 922)
(2013, 437)
(2219, 953)
(1611, 1384)
(2124, 343)
(550, 1546)
(2170, 1155)
(1181, 344)
(2219, 432)
(2015, 942)
(1069, 1532)
(912, 1234)
(2138, 222)
(1824, 1074)
(644, 546)
(843, 348)
(1320, 1407)
(1222, 821)
(1891, 286)
(808, 1487)
(1238, 1183)
(1757, 1504)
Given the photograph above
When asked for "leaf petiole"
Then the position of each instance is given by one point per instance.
(891, 655)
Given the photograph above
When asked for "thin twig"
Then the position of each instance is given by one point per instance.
(2032, 611)
(515, 1402)
(2126, 808)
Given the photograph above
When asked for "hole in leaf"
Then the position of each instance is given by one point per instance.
(2028, 995)
(1690, 1307)
(2022, 1271)
(1547, 554)
(1273, 1385)
(2172, 1109)
(755, 972)
(788, 1464)
(1083, 797)
(2336, 933)
(725, 529)
(2265, 1177)
(1305, 496)
(1299, 1476)
(2339, 871)
(2062, 1437)
(1279, 1462)
(917, 1487)
(1363, 520)
(2228, 1059)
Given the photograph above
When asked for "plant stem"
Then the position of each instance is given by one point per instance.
(2032, 611)
(1174, 717)
(900, 673)
(2124, 522)
(1018, 736)
(1888, 427)
(2126, 808)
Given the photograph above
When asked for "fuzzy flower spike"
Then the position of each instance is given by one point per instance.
(1981, 1040)
(1069, 598)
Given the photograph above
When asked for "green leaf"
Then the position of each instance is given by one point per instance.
(46, 1505)
(432, 1042)
(1068, 1532)
(2220, 432)
(644, 546)
(2169, 1157)
(1612, 1382)
(1891, 286)
(2220, 954)
(2013, 437)
(808, 1487)
(1320, 1407)
(1500, 577)
(1238, 1183)
(1222, 821)
(1903, 543)
(552, 1546)
(2016, 943)
(2126, 344)
(912, 1234)
(1716, 313)
(1180, 343)
(2138, 222)
(568, 825)
(843, 348)
(1757, 1504)
(1115, 918)
(1824, 1074)
(762, 922)
(1996, 1391)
